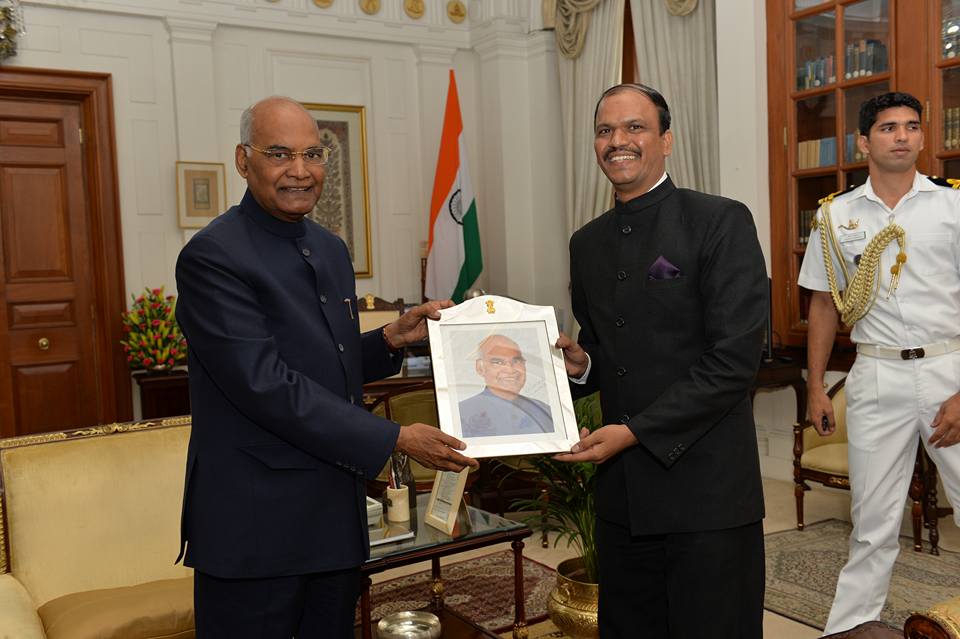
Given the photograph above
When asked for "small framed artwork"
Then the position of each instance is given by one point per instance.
(344, 205)
(501, 384)
(445, 500)
(201, 193)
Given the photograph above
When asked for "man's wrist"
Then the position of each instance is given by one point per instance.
(389, 342)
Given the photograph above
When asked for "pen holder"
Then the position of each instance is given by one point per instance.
(398, 504)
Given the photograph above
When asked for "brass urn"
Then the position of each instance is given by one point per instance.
(572, 605)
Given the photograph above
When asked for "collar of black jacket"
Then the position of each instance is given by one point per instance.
(267, 222)
(648, 199)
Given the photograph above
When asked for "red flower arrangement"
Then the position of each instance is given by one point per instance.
(153, 338)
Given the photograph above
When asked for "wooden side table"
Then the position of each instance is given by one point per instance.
(163, 394)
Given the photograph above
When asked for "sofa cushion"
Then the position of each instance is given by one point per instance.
(18, 615)
(152, 610)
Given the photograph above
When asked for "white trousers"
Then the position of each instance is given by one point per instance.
(890, 407)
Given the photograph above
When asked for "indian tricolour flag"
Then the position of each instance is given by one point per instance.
(453, 260)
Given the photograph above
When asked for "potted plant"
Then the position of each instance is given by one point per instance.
(567, 507)
(153, 338)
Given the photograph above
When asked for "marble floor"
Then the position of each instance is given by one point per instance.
(819, 503)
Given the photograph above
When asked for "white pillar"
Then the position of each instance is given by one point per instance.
(194, 88)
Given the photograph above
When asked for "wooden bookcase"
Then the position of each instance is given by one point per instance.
(823, 60)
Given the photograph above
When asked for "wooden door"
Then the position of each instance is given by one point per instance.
(57, 368)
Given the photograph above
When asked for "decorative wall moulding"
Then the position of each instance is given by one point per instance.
(323, 4)
(370, 7)
(681, 7)
(456, 11)
(414, 8)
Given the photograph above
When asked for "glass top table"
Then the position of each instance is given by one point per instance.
(475, 528)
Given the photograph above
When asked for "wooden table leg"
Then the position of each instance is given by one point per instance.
(520, 615)
(365, 621)
(436, 587)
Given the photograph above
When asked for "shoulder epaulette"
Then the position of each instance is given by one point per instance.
(837, 194)
(948, 182)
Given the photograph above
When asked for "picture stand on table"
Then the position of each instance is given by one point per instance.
(445, 500)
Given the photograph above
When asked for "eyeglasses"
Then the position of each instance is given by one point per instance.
(280, 156)
(502, 362)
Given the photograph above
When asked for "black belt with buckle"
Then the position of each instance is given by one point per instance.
(912, 353)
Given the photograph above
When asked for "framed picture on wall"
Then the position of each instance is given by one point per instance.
(201, 193)
(344, 206)
(501, 385)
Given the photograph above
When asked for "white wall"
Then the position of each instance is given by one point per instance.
(184, 71)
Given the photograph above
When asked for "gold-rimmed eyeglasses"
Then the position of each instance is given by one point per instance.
(280, 156)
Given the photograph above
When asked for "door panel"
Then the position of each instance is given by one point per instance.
(47, 396)
(50, 376)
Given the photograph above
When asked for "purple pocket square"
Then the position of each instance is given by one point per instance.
(662, 269)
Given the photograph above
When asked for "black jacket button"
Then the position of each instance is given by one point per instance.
(621, 275)
(621, 371)
(626, 230)
(620, 322)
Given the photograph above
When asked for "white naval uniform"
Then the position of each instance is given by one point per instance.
(891, 401)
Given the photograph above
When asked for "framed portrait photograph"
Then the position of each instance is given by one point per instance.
(445, 500)
(344, 206)
(201, 193)
(501, 385)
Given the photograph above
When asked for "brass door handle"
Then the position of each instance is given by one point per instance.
(43, 344)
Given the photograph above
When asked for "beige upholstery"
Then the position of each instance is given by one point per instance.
(155, 609)
(829, 453)
(941, 621)
(89, 510)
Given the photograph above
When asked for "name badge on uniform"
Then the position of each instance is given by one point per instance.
(852, 237)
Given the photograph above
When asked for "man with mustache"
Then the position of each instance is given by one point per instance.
(274, 517)
(898, 234)
(670, 291)
(500, 409)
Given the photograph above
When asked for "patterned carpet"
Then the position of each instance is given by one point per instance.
(802, 570)
(481, 589)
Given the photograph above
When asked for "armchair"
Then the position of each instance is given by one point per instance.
(824, 460)
(374, 312)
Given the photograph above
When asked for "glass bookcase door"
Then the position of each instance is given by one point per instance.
(817, 132)
(866, 37)
(809, 192)
(949, 29)
(852, 99)
(816, 38)
(951, 109)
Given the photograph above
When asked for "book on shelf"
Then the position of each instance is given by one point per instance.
(816, 72)
(812, 154)
(864, 58)
(951, 128)
(804, 220)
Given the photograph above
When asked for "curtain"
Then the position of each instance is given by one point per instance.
(587, 193)
(677, 56)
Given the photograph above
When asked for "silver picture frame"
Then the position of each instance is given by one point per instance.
(501, 384)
